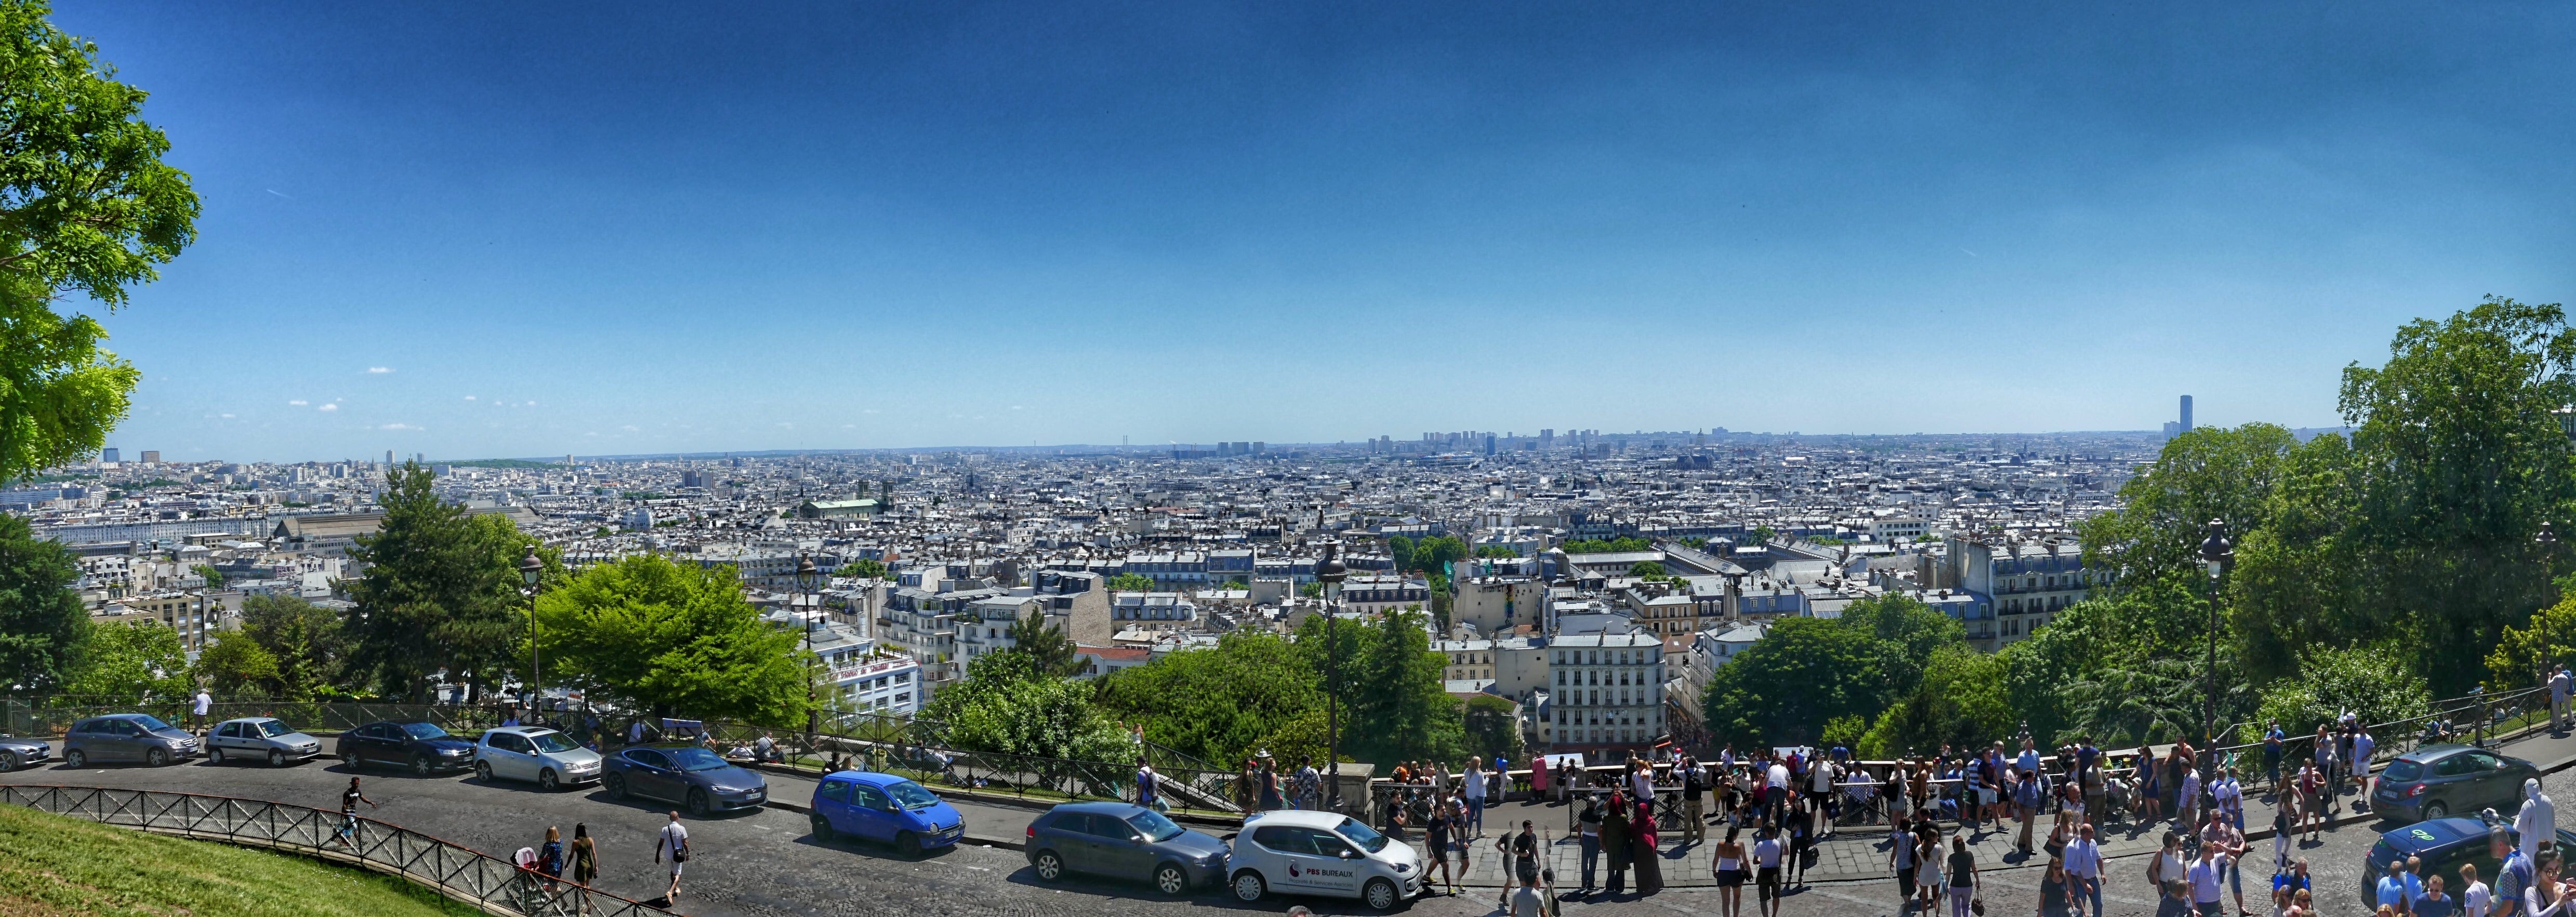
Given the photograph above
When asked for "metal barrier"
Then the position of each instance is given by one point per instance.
(490, 884)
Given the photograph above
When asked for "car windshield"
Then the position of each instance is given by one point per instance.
(273, 728)
(693, 758)
(552, 741)
(910, 795)
(1153, 825)
(148, 723)
(1360, 834)
(2402, 769)
(424, 731)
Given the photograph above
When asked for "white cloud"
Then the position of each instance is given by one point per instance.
(296, 403)
(1018, 408)
(631, 428)
(398, 426)
(379, 370)
(328, 407)
(469, 397)
(228, 417)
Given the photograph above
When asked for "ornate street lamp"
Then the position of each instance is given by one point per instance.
(530, 568)
(807, 578)
(2219, 555)
(1330, 572)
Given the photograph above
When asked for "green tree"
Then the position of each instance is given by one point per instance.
(1761, 535)
(1497, 551)
(1131, 582)
(1046, 644)
(862, 567)
(43, 628)
(2520, 657)
(2460, 459)
(87, 208)
(1220, 704)
(1646, 569)
(1310, 590)
(441, 591)
(1492, 731)
(304, 639)
(672, 638)
(1404, 710)
(1400, 548)
(1961, 701)
(214, 578)
(236, 665)
(1802, 674)
(2377, 683)
(1431, 552)
(141, 661)
(1007, 704)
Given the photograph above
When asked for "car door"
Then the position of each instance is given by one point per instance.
(1298, 859)
(377, 743)
(1070, 835)
(124, 740)
(84, 736)
(1123, 852)
(650, 776)
(226, 737)
(832, 802)
(1281, 843)
(500, 750)
(868, 813)
(1337, 864)
(2499, 786)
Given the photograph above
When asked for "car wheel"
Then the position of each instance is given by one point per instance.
(907, 845)
(483, 771)
(421, 766)
(1249, 887)
(1380, 895)
(276, 758)
(822, 829)
(351, 760)
(158, 757)
(214, 756)
(546, 780)
(75, 759)
(8, 761)
(1170, 880)
(1048, 866)
(617, 787)
(2436, 809)
(698, 803)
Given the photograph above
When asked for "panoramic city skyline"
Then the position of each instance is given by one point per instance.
(530, 232)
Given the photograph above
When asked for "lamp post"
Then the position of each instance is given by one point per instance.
(2219, 555)
(2547, 542)
(811, 607)
(530, 568)
(1330, 572)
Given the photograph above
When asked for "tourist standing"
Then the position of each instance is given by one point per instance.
(1588, 834)
(1475, 826)
(673, 842)
(2084, 868)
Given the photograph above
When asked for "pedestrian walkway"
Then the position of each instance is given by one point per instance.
(1861, 852)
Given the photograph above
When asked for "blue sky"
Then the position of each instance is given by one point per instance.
(531, 229)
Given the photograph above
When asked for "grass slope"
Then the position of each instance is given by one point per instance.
(51, 865)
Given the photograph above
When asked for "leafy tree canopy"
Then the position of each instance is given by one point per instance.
(1131, 582)
(43, 627)
(673, 639)
(1221, 704)
(142, 661)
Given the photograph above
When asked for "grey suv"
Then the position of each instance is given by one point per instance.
(1122, 841)
(260, 738)
(127, 737)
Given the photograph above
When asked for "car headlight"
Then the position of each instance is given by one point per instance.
(1402, 868)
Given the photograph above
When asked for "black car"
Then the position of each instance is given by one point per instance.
(2444, 844)
(1123, 841)
(423, 747)
(16, 752)
(2436, 781)
(686, 774)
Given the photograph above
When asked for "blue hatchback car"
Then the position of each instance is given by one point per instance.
(884, 808)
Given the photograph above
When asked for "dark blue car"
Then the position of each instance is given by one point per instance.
(692, 776)
(2444, 844)
(884, 808)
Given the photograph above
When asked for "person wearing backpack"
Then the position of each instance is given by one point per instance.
(550, 858)
(673, 841)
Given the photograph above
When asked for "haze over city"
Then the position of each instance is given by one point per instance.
(531, 231)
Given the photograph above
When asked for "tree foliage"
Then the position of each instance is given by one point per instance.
(672, 639)
(1394, 701)
(1007, 704)
(305, 641)
(1806, 673)
(1131, 582)
(862, 567)
(2376, 683)
(142, 661)
(87, 208)
(441, 591)
(1612, 546)
(1046, 644)
(43, 627)
(236, 665)
(1221, 704)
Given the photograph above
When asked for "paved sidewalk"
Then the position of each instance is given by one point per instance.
(1861, 852)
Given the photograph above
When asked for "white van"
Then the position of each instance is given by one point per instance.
(1321, 853)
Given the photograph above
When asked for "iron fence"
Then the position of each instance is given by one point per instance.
(463, 874)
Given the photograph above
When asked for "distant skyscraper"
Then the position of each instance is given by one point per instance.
(108, 454)
(2186, 413)
(151, 456)
(389, 457)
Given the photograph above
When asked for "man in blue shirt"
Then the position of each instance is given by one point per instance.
(2516, 872)
(2272, 739)
(2392, 887)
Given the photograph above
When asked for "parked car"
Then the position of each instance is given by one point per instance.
(686, 774)
(127, 737)
(260, 738)
(1321, 853)
(1123, 841)
(423, 747)
(884, 808)
(2443, 844)
(16, 753)
(535, 753)
(2435, 781)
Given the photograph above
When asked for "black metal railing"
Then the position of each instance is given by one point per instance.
(463, 874)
